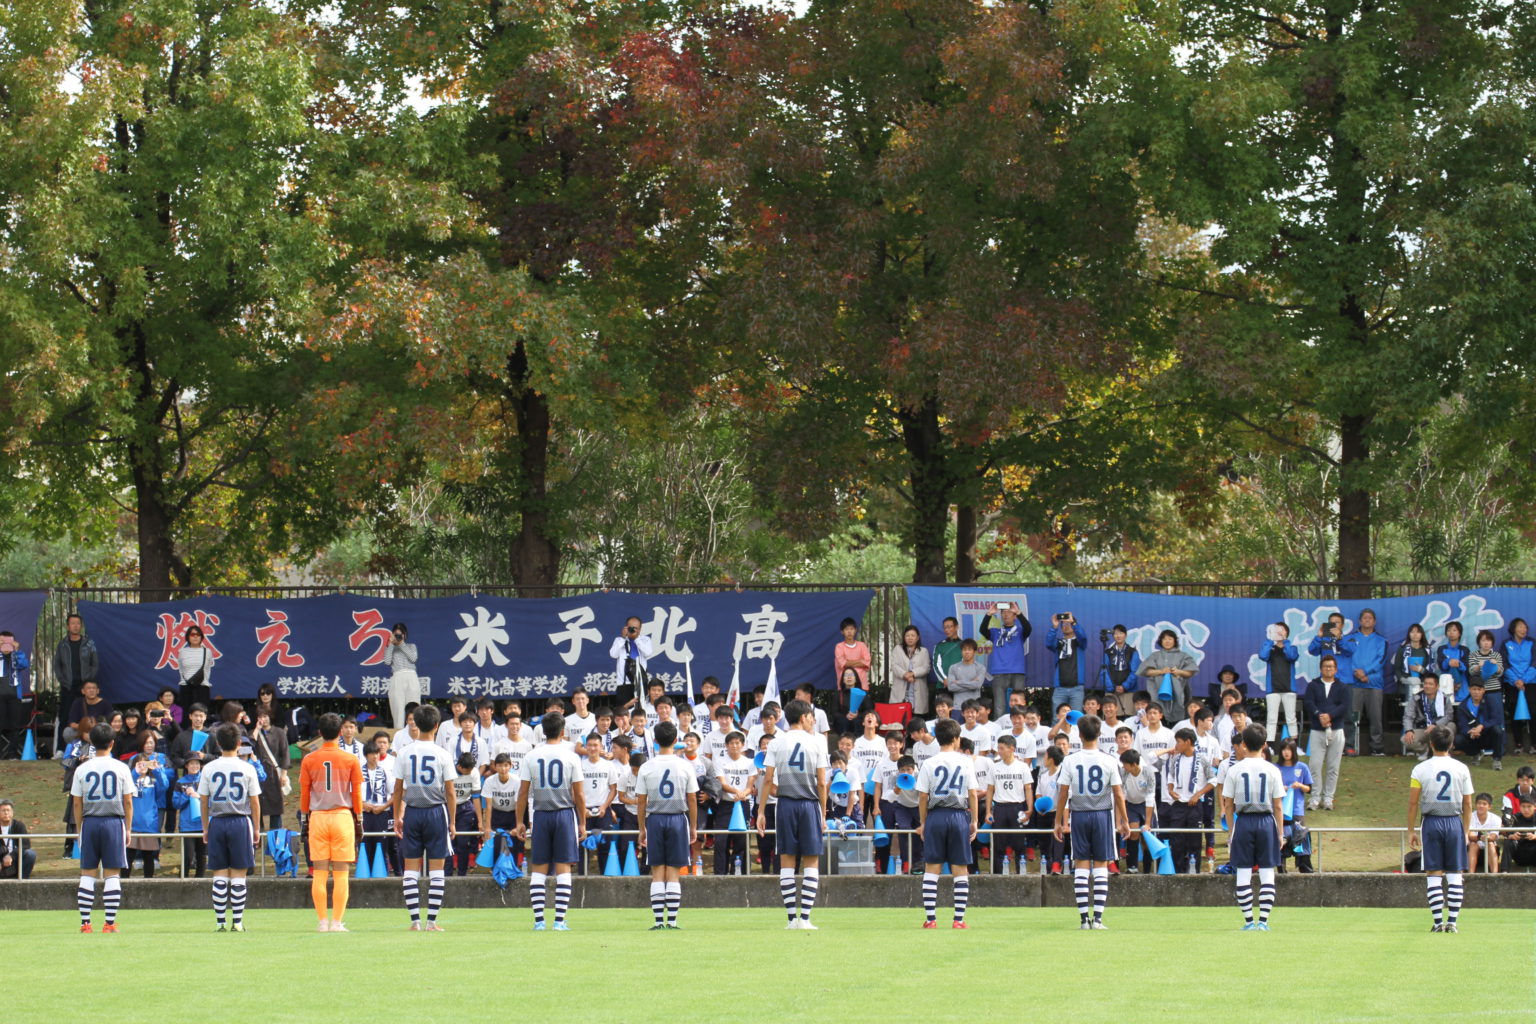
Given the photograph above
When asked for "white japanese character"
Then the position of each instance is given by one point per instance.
(579, 630)
(666, 625)
(762, 639)
(481, 635)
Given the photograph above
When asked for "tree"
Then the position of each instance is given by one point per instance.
(1368, 174)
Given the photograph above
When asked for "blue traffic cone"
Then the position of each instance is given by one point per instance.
(611, 867)
(1165, 863)
(362, 865)
(29, 745)
(738, 819)
(895, 865)
(882, 838)
(946, 868)
(1285, 731)
(377, 866)
(1522, 714)
(631, 863)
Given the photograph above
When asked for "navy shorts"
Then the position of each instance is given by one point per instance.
(103, 844)
(947, 836)
(1093, 835)
(1444, 843)
(798, 827)
(1254, 843)
(554, 837)
(425, 834)
(230, 843)
(666, 841)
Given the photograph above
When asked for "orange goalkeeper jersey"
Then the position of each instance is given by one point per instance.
(330, 779)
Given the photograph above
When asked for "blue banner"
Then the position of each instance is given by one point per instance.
(470, 646)
(1216, 631)
(19, 610)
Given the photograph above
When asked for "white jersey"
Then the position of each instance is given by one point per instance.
(597, 778)
(229, 783)
(1253, 785)
(502, 796)
(1151, 746)
(425, 772)
(515, 749)
(756, 733)
(473, 746)
(549, 772)
(948, 778)
(736, 773)
(1090, 777)
(797, 759)
(1025, 744)
(714, 745)
(101, 783)
(869, 753)
(1010, 782)
(921, 751)
(668, 783)
(1442, 782)
(885, 779)
(578, 728)
(981, 736)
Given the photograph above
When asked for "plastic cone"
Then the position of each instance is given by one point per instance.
(1165, 863)
(29, 745)
(895, 866)
(1522, 714)
(377, 866)
(362, 866)
(486, 858)
(881, 837)
(1285, 731)
(738, 818)
(631, 864)
(1165, 691)
(856, 699)
(611, 867)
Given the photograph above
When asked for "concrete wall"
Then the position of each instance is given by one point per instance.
(757, 892)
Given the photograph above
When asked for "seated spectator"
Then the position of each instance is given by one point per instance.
(90, 702)
(166, 698)
(152, 777)
(189, 817)
(1476, 731)
(1483, 836)
(17, 858)
(1422, 712)
(1523, 789)
(1520, 846)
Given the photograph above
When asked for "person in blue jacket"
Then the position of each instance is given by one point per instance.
(1451, 657)
(1519, 669)
(1117, 672)
(152, 777)
(1367, 684)
(189, 817)
(1066, 641)
(1006, 662)
(1279, 657)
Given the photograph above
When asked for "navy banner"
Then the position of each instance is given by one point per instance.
(19, 610)
(470, 646)
(1216, 631)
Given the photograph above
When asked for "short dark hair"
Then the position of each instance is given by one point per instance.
(466, 762)
(623, 743)
(1130, 757)
(794, 711)
(1204, 715)
(330, 725)
(736, 734)
(1088, 728)
(102, 736)
(553, 725)
(1186, 733)
(1254, 737)
(227, 736)
(426, 717)
(966, 746)
(665, 734)
(1007, 740)
(946, 731)
(665, 702)
(1440, 739)
(846, 623)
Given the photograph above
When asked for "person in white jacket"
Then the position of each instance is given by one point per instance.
(910, 665)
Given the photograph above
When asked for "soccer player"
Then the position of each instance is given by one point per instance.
(1091, 805)
(500, 794)
(946, 820)
(551, 781)
(736, 773)
(1009, 799)
(1252, 799)
(230, 796)
(667, 806)
(102, 795)
(423, 821)
(1441, 788)
(1187, 778)
(331, 800)
(796, 774)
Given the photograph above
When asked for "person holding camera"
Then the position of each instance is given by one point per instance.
(15, 696)
(1279, 657)
(631, 653)
(1006, 662)
(1070, 648)
(1117, 671)
(404, 683)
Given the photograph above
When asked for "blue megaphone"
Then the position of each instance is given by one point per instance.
(1165, 691)
(1522, 709)
(760, 759)
(1155, 846)
(1073, 717)
(840, 784)
(1044, 805)
(856, 700)
(906, 780)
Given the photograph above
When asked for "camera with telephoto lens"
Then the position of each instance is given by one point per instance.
(1106, 636)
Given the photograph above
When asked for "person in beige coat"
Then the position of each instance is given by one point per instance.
(910, 665)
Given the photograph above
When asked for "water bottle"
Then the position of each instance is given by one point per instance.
(1193, 866)
(736, 867)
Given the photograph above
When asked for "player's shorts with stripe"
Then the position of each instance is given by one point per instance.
(1255, 843)
(1093, 835)
(231, 843)
(424, 833)
(332, 836)
(103, 844)
(947, 836)
(666, 840)
(1444, 843)
(797, 827)
(553, 840)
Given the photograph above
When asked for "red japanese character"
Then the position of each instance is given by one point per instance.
(370, 626)
(173, 633)
(273, 638)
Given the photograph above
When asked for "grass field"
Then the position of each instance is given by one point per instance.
(862, 965)
(1372, 793)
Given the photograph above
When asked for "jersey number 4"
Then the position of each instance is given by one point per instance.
(948, 782)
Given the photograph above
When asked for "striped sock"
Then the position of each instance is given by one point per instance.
(236, 901)
(962, 895)
(930, 895)
(1436, 896)
(412, 887)
(1245, 893)
(789, 891)
(1100, 892)
(674, 901)
(1452, 897)
(562, 895)
(435, 885)
(659, 901)
(85, 897)
(220, 899)
(111, 897)
(1082, 890)
(537, 895)
(809, 883)
(1266, 893)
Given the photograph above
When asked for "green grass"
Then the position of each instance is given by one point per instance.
(862, 965)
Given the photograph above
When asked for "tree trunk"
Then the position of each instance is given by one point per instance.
(965, 544)
(162, 573)
(1354, 567)
(534, 557)
(924, 441)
